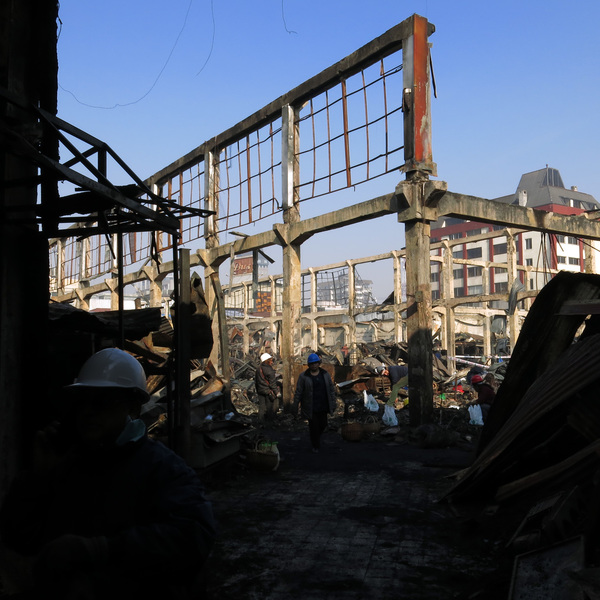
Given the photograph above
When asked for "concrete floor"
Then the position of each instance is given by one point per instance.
(358, 520)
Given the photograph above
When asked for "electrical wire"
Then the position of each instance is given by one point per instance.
(121, 105)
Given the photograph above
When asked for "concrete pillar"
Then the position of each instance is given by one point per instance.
(291, 338)
(487, 335)
(447, 281)
(211, 237)
(351, 307)
(313, 305)
(419, 318)
(152, 274)
(398, 331)
(511, 259)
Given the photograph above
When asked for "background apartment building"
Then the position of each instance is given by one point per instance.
(542, 190)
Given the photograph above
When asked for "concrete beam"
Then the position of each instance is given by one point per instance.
(497, 213)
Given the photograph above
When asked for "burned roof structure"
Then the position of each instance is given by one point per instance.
(540, 444)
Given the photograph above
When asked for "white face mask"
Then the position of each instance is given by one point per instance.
(132, 432)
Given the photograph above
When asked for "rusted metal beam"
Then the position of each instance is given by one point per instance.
(416, 100)
(384, 45)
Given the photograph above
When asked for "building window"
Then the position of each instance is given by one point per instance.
(560, 239)
(572, 240)
(435, 277)
(435, 294)
(529, 262)
(474, 253)
(457, 253)
(528, 243)
(474, 271)
(458, 273)
(500, 271)
(475, 290)
(573, 260)
(561, 260)
(501, 287)
(499, 249)
(531, 285)
(455, 236)
(459, 292)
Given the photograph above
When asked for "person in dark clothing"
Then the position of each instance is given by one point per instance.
(315, 394)
(485, 393)
(398, 375)
(267, 388)
(105, 512)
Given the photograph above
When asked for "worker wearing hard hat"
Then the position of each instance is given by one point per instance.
(108, 512)
(315, 394)
(267, 388)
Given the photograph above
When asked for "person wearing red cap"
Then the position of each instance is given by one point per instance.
(485, 393)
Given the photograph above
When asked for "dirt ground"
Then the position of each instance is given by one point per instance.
(358, 520)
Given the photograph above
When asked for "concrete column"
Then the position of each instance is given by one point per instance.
(211, 237)
(82, 298)
(398, 337)
(313, 305)
(246, 335)
(419, 318)
(351, 307)
(151, 273)
(292, 300)
(487, 335)
(447, 281)
(291, 339)
(511, 259)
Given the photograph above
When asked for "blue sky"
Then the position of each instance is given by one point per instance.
(517, 84)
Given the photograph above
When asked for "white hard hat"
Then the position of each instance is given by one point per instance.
(111, 368)
(265, 356)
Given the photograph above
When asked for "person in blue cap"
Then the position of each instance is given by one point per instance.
(315, 394)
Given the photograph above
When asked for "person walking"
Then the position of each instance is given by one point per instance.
(104, 511)
(267, 388)
(316, 396)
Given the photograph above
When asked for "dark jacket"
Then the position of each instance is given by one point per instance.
(397, 372)
(485, 394)
(303, 395)
(142, 497)
(265, 381)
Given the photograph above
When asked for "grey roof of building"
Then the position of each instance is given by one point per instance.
(546, 186)
(543, 187)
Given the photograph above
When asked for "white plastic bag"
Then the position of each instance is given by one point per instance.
(389, 416)
(370, 402)
(475, 415)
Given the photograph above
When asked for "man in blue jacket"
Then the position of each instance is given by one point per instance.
(315, 393)
(105, 511)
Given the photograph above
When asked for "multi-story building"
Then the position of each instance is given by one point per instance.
(541, 190)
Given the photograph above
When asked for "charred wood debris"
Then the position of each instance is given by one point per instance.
(534, 482)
